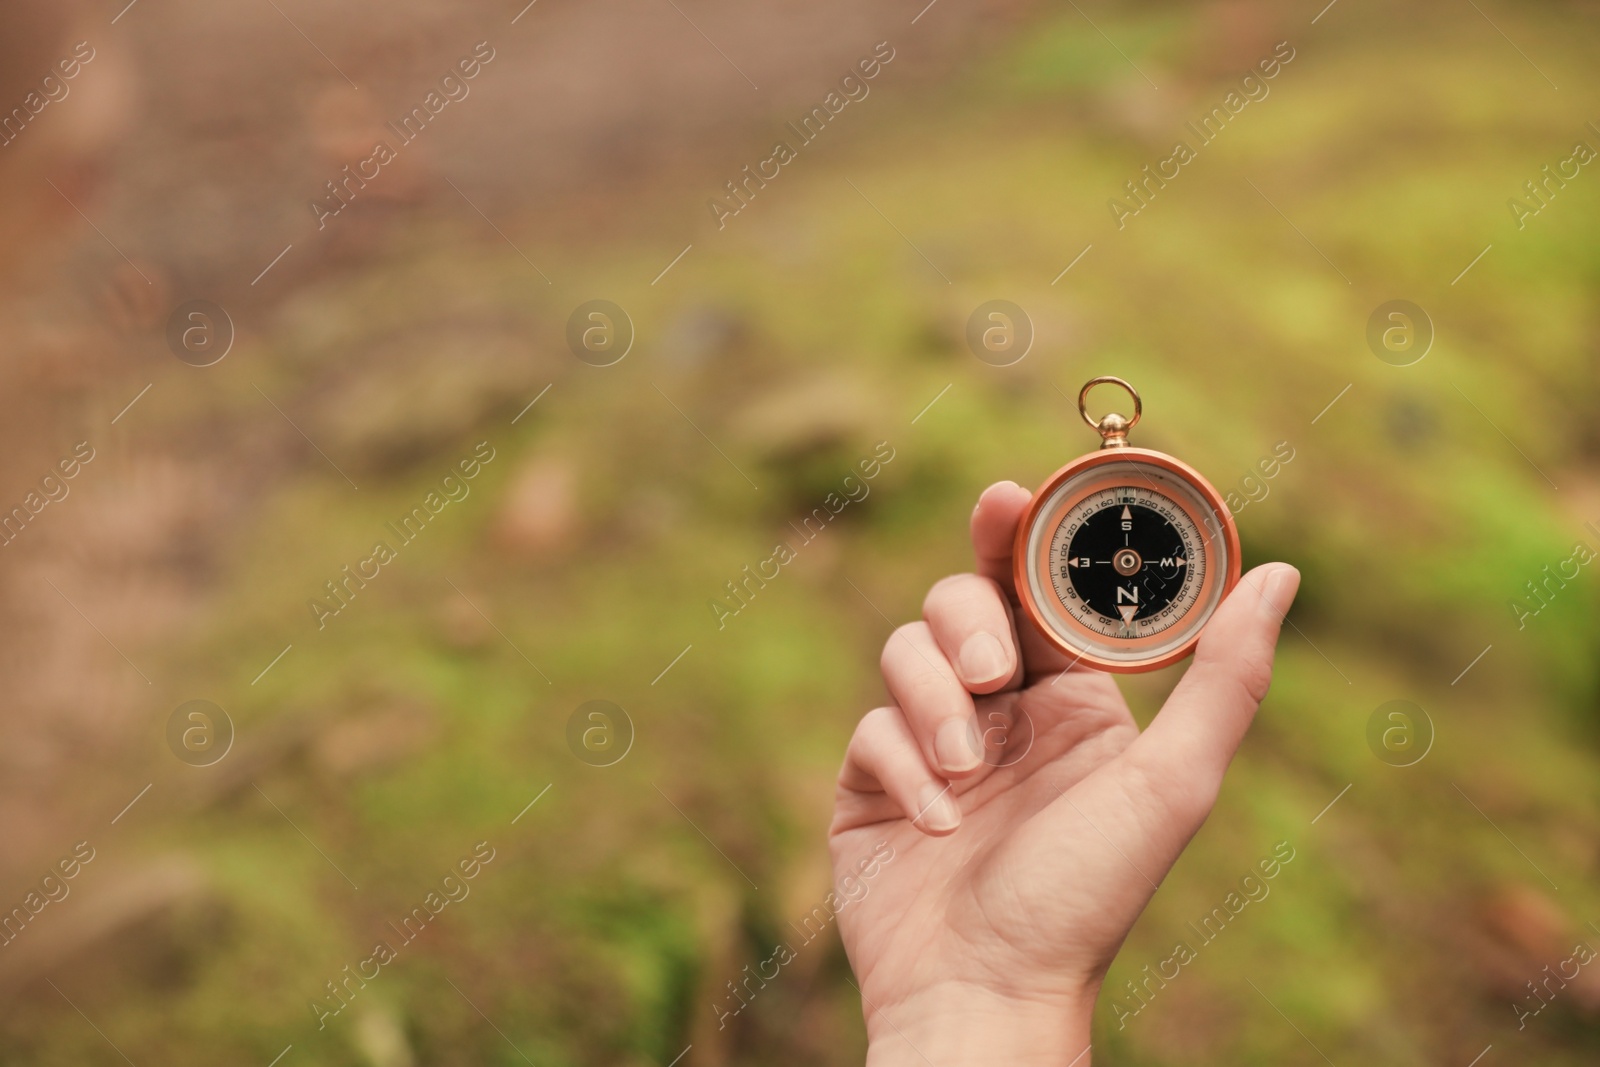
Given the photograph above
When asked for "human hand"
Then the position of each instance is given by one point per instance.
(984, 935)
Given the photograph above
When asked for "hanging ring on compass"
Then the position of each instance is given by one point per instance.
(1109, 379)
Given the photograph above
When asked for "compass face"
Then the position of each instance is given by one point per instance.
(1127, 562)
(1126, 559)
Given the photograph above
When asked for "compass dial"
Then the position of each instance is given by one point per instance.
(1126, 562)
(1124, 557)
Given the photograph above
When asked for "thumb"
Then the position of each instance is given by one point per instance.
(1188, 747)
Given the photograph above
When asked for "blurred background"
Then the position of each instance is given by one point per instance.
(240, 341)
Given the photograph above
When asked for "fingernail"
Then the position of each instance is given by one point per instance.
(940, 812)
(956, 745)
(997, 487)
(1281, 586)
(983, 659)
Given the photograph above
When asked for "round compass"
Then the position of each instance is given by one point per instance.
(1124, 553)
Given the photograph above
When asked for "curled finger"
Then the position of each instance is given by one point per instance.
(885, 758)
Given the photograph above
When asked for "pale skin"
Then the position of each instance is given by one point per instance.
(1014, 881)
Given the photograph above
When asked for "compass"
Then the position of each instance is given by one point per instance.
(1124, 554)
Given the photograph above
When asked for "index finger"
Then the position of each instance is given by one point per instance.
(994, 534)
(994, 531)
